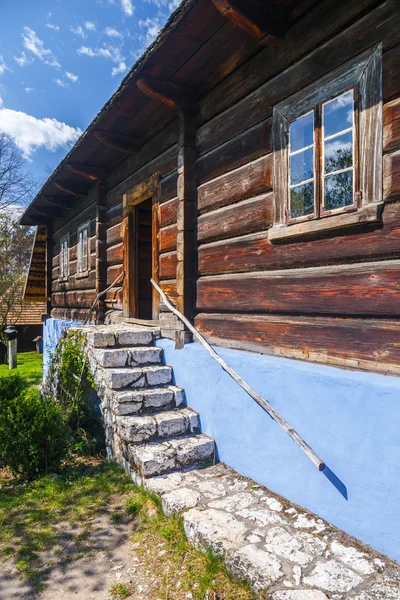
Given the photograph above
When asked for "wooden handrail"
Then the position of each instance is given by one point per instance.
(99, 296)
(308, 451)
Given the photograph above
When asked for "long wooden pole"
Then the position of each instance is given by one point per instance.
(308, 451)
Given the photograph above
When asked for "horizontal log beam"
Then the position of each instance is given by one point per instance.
(168, 93)
(48, 211)
(87, 171)
(119, 142)
(67, 190)
(60, 202)
(252, 16)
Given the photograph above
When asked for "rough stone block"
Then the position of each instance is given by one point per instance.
(112, 358)
(157, 398)
(120, 378)
(137, 429)
(164, 483)
(193, 450)
(157, 375)
(333, 577)
(179, 395)
(193, 419)
(258, 567)
(171, 423)
(131, 337)
(352, 557)
(235, 503)
(153, 459)
(100, 339)
(143, 356)
(299, 595)
(179, 500)
(214, 529)
(299, 548)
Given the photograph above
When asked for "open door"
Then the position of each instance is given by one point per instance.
(140, 234)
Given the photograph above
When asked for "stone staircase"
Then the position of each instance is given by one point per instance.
(149, 430)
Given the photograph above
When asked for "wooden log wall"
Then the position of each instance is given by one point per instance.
(335, 299)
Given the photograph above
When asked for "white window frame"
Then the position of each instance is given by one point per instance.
(83, 269)
(64, 257)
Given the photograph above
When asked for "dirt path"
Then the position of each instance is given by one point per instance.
(110, 561)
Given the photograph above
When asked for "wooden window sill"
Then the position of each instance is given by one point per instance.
(63, 279)
(372, 213)
(82, 275)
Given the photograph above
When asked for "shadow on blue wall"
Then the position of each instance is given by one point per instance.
(338, 483)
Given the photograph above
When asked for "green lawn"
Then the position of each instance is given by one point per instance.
(29, 367)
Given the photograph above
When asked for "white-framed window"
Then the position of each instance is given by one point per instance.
(64, 256)
(327, 145)
(83, 247)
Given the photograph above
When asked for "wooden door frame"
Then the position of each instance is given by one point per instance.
(148, 188)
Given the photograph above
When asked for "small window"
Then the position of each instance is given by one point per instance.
(83, 248)
(321, 160)
(64, 257)
(327, 144)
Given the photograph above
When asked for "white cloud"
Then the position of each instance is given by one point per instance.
(22, 60)
(60, 82)
(127, 7)
(174, 4)
(71, 77)
(29, 90)
(104, 52)
(3, 66)
(151, 27)
(1, 101)
(90, 26)
(36, 46)
(122, 67)
(78, 31)
(30, 133)
(112, 32)
(52, 26)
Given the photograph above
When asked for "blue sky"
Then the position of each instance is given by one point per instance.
(60, 61)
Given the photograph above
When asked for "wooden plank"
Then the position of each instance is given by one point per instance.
(115, 254)
(391, 75)
(391, 126)
(75, 282)
(168, 264)
(101, 251)
(168, 238)
(114, 234)
(255, 252)
(169, 288)
(247, 216)
(391, 176)
(113, 272)
(242, 149)
(367, 344)
(74, 299)
(355, 289)
(381, 24)
(245, 182)
(169, 212)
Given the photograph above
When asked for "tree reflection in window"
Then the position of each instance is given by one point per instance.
(301, 167)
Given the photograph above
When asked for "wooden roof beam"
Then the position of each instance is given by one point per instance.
(171, 94)
(59, 202)
(262, 23)
(87, 171)
(67, 190)
(117, 141)
(49, 211)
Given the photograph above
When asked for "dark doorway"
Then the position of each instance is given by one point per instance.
(142, 223)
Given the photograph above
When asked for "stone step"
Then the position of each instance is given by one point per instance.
(124, 357)
(130, 402)
(135, 377)
(157, 458)
(102, 337)
(137, 429)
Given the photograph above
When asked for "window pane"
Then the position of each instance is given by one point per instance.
(302, 132)
(339, 152)
(302, 166)
(302, 200)
(338, 114)
(338, 190)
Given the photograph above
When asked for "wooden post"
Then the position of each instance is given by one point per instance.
(12, 354)
(186, 219)
(101, 251)
(49, 265)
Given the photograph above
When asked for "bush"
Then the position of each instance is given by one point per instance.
(10, 387)
(72, 386)
(33, 433)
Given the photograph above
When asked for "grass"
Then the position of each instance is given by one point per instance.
(29, 366)
(33, 517)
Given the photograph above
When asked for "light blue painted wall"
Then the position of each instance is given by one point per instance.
(52, 331)
(351, 419)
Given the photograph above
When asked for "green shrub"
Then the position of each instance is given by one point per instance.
(10, 387)
(72, 385)
(33, 434)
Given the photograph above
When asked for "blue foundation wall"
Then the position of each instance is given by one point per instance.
(351, 419)
(52, 331)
